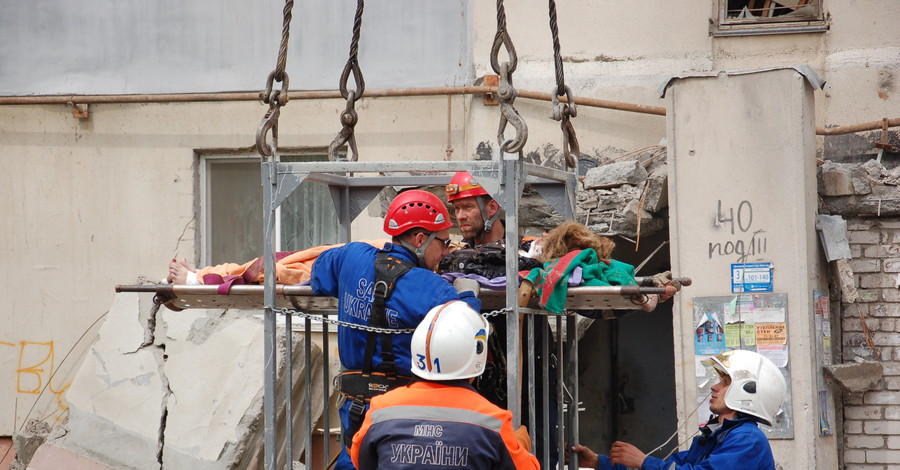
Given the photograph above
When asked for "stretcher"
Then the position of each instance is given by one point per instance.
(585, 298)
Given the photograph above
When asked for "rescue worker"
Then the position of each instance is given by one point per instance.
(478, 216)
(391, 289)
(751, 391)
(441, 420)
(477, 213)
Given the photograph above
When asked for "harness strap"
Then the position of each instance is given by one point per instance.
(387, 270)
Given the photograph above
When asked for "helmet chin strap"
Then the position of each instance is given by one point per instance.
(488, 223)
(420, 251)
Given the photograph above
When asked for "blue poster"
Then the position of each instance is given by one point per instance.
(709, 337)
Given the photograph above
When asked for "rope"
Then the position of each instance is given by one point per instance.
(506, 93)
(562, 112)
(349, 117)
(557, 58)
(285, 32)
(273, 97)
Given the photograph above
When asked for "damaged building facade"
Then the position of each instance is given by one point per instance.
(105, 192)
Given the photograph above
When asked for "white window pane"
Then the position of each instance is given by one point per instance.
(308, 216)
(234, 211)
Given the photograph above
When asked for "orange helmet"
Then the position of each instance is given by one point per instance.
(416, 208)
(464, 185)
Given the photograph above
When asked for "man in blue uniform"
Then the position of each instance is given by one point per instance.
(751, 391)
(392, 289)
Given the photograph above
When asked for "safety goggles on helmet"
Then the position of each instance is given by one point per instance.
(463, 185)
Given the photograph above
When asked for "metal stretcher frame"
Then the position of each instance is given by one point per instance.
(504, 178)
(250, 297)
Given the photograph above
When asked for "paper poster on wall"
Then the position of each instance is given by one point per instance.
(750, 321)
(769, 334)
(709, 336)
(822, 322)
(777, 353)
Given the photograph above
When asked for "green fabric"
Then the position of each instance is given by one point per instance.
(594, 273)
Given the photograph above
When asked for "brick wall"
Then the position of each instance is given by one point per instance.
(872, 418)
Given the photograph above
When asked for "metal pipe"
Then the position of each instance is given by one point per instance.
(377, 93)
(311, 95)
(865, 126)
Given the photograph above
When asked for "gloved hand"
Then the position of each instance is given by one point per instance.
(463, 284)
(522, 438)
(665, 279)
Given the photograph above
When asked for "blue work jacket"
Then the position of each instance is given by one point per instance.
(348, 273)
(737, 444)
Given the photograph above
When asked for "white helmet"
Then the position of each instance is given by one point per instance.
(757, 386)
(450, 343)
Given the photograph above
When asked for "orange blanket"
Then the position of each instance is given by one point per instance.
(294, 268)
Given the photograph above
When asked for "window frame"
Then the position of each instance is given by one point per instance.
(203, 213)
(723, 26)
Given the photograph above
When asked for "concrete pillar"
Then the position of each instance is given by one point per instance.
(742, 181)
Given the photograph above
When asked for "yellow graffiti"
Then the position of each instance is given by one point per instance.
(36, 366)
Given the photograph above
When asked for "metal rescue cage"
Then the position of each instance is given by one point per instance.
(353, 185)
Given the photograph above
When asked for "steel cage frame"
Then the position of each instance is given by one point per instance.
(504, 178)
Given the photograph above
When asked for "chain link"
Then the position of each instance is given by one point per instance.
(392, 331)
(349, 116)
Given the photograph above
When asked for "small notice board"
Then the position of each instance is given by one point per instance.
(750, 321)
(751, 277)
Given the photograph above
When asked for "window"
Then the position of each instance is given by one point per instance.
(753, 17)
(232, 210)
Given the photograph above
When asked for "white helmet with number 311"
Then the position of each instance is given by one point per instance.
(450, 343)
(757, 385)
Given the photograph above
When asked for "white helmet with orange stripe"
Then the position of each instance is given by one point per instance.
(450, 343)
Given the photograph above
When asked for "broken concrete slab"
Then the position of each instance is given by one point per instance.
(27, 441)
(842, 179)
(846, 281)
(615, 174)
(656, 193)
(856, 377)
(190, 398)
(119, 379)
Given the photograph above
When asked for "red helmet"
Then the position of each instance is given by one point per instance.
(464, 185)
(416, 208)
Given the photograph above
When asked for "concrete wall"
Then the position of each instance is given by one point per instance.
(104, 201)
(765, 157)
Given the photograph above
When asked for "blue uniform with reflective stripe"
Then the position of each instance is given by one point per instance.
(738, 444)
(438, 425)
(348, 273)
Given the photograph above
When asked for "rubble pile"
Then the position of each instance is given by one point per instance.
(866, 189)
(626, 195)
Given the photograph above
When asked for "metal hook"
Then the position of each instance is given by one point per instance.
(269, 123)
(506, 95)
(346, 135)
(570, 143)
